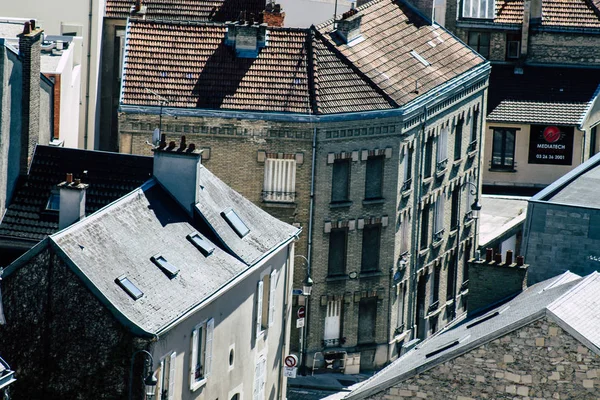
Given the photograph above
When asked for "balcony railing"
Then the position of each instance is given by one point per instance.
(279, 197)
(333, 342)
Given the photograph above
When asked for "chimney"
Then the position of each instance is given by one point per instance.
(246, 37)
(29, 51)
(273, 15)
(348, 28)
(138, 9)
(491, 281)
(177, 169)
(72, 201)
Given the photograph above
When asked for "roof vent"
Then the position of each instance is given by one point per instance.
(246, 38)
(348, 28)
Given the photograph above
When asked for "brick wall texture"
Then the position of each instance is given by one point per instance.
(490, 283)
(539, 361)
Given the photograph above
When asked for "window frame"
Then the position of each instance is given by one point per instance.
(455, 212)
(375, 164)
(344, 232)
(407, 168)
(438, 218)
(204, 330)
(279, 182)
(512, 39)
(503, 166)
(373, 252)
(428, 158)
(425, 213)
(335, 181)
(477, 45)
(441, 156)
(167, 360)
(486, 12)
(458, 133)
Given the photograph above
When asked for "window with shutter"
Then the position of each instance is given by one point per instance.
(259, 378)
(442, 148)
(338, 239)
(340, 182)
(458, 137)
(374, 178)
(272, 293)
(367, 320)
(259, 308)
(201, 353)
(331, 336)
(370, 248)
(438, 226)
(171, 380)
(280, 180)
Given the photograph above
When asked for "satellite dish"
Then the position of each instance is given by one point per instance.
(156, 136)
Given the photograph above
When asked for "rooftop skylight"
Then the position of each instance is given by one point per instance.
(201, 243)
(235, 222)
(129, 287)
(169, 269)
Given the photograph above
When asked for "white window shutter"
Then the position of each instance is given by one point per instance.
(280, 180)
(193, 358)
(272, 292)
(172, 376)
(161, 371)
(210, 327)
(259, 306)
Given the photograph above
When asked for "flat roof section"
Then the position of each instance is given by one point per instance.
(499, 214)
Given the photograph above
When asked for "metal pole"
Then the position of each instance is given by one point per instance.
(131, 369)
(304, 330)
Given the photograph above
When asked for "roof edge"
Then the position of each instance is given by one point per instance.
(23, 259)
(571, 331)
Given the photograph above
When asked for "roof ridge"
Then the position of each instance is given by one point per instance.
(360, 8)
(592, 277)
(311, 72)
(165, 21)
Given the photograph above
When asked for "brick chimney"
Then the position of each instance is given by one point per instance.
(177, 169)
(30, 41)
(348, 28)
(491, 280)
(246, 37)
(273, 15)
(72, 201)
(138, 9)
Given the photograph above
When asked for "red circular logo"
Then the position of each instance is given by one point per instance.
(552, 134)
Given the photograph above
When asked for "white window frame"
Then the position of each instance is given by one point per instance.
(170, 361)
(400, 308)
(206, 330)
(480, 9)
(333, 322)
(279, 183)
(265, 301)
(405, 234)
(260, 378)
(438, 220)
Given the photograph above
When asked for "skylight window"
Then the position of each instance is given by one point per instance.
(129, 287)
(169, 269)
(53, 202)
(235, 222)
(201, 244)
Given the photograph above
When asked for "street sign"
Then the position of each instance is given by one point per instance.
(297, 292)
(291, 361)
(300, 323)
(289, 372)
(301, 312)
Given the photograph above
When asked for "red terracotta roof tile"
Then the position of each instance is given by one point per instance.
(555, 13)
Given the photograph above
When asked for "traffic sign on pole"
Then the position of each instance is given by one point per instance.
(301, 312)
(289, 372)
(291, 361)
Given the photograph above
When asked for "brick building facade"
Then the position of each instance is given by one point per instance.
(367, 158)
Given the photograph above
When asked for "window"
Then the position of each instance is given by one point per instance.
(593, 140)
(200, 365)
(435, 286)
(458, 139)
(438, 223)
(331, 336)
(428, 157)
(280, 180)
(480, 42)
(201, 243)
(474, 125)
(374, 178)
(407, 167)
(129, 287)
(265, 302)
(169, 269)
(338, 239)
(442, 148)
(367, 320)
(400, 309)
(470, 197)
(455, 211)
(405, 235)
(53, 201)
(425, 227)
(466, 256)
(513, 45)
(370, 248)
(235, 222)
(260, 372)
(165, 387)
(450, 281)
(478, 9)
(340, 183)
(503, 149)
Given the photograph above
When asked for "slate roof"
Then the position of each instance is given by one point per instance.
(555, 13)
(303, 71)
(581, 191)
(187, 10)
(542, 95)
(110, 176)
(568, 299)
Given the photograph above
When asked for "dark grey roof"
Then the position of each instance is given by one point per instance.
(265, 232)
(530, 112)
(530, 305)
(7, 376)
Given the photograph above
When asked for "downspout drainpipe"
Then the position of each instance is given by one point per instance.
(312, 199)
(479, 183)
(418, 183)
(284, 318)
(88, 77)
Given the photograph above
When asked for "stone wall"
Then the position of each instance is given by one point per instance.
(539, 361)
(564, 48)
(61, 341)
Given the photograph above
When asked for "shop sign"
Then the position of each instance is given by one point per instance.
(550, 144)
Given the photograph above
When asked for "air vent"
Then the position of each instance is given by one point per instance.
(235, 222)
(201, 243)
(129, 287)
(169, 269)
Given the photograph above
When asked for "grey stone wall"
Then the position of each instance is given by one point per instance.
(564, 48)
(560, 238)
(539, 361)
(62, 342)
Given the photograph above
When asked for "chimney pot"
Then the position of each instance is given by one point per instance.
(520, 261)
(138, 5)
(182, 144)
(77, 182)
(191, 147)
(498, 258)
(509, 257)
(27, 28)
(32, 22)
(489, 254)
(69, 178)
(171, 144)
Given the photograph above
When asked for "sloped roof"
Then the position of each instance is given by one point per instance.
(567, 298)
(110, 176)
(187, 10)
(304, 71)
(555, 13)
(542, 95)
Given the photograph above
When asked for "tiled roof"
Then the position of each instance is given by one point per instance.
(529, 112)
(555, 13)
(110, 176)
(187, 10)
(299, 71)
(541, 94)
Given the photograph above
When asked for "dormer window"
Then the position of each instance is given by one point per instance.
(201, 243)
(169, 269)
(235, 222)
(481, 9)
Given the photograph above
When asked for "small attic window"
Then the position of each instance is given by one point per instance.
(53, 201)
(201, 244)
(235, 222)
(169, 269)
(129, 287)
